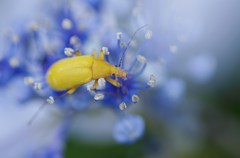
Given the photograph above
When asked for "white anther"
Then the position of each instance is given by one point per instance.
(68, 52)
(122, 106)
(141, 59)
(74, 40)
(50, 100)
(99, 96)
(173, 49)
(119, 35)
(105, 50)
(152, 81)
(107, 53)
(28, 80)
(14, 38)
(37, 86)
(66, 24)
(14, 62)
(135, 98)
(102, 82)
(148, 34)
(89, 88)
(33, 26)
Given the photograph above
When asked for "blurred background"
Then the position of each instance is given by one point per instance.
(194, 109)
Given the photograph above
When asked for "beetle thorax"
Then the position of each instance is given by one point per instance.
(101, 69)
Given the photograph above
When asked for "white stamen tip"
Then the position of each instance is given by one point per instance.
(119, 35)
(141, 59)
(14, 38)
(105, 51)
(173, 49)
(122, 106)
(37, 86)
(148, 34)
(74, 40)
(28, 80)
(99, 96)
(90, 88)
(135, 98)
(50, 100)
(68, 52)
(152, 81)
(66, 24)
(102, 82)
(34, 26)
(14, 62)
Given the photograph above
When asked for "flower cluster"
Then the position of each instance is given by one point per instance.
(31, 51)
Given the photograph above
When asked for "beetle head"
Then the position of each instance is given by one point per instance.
(119, 72)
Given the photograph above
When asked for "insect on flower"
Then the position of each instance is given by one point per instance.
(70, 73)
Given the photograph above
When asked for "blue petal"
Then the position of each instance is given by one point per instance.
(129, 129)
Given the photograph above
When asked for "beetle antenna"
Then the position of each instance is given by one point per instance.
(37, 112)
(121, 59)
(50, 100)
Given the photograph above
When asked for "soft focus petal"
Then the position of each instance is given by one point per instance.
(129, 129)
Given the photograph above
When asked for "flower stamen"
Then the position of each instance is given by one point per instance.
(28, 80)
(105, 51)
(67, 24)
(141, 59)
(50, 100)
(99, 96)
(68, 52)
(148, 34)
(122, 106)
(37, 86)
(135, 98)
(152, 81)
(119, 35)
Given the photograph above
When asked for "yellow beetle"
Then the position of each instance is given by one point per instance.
(70, 73)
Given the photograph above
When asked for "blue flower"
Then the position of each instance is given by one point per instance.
(48, 40)
(10, 64)
(6, 71)
(128, 129)
(119, 98)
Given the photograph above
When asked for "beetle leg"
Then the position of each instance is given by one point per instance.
(78, 53)
(94, 53)
(71, 91)
(113, 82)
(95, 85)
(101, 56)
